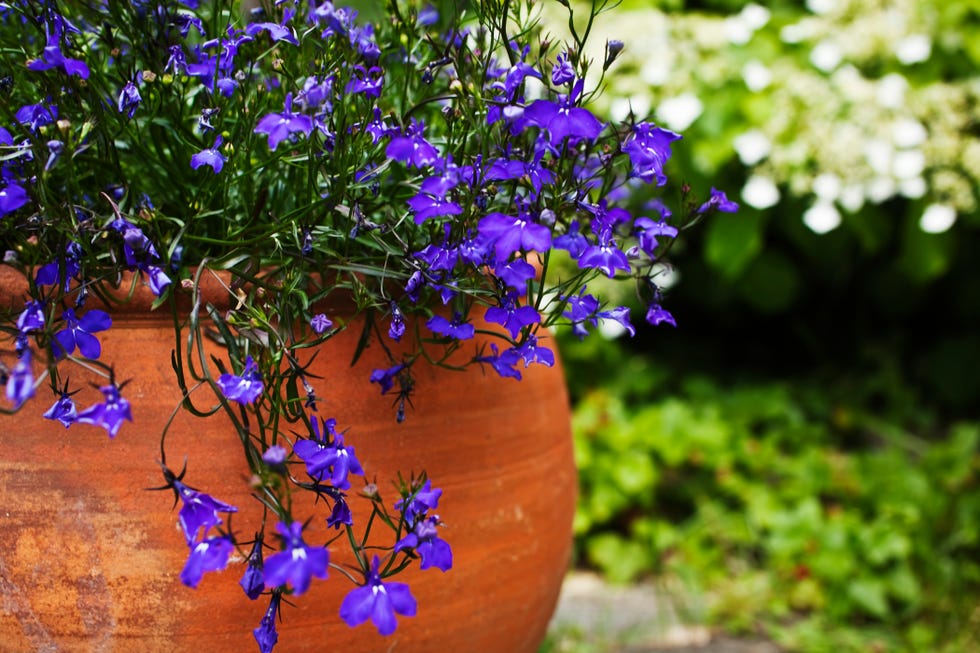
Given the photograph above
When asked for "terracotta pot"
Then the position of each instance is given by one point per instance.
(89, 560)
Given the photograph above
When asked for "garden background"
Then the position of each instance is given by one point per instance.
(799, 458)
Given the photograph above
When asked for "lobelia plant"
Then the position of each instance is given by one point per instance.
(430, 169)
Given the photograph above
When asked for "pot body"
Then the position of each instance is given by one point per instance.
(89, 559)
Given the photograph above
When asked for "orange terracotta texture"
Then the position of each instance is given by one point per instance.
(89, 559)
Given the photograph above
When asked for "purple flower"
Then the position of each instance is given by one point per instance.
(110, 413)
(276, 31)
(431, 201)
(12, 197)
(613, 48)
(424, 538)
(245, 388)
(63, 410)
(516, 274)
(208, 555)
(36, 115)
(158, 279)
(274, 455)
(341, 513)
(512, 316)
(20, 383)
(325, 453)
(78, 332)
(620, 315)
(266, 635)
(647, 231)
(320, 323)
(563, 119)
(530, 352)
(129, 100)
(377, 601)
(53, 57)
(362, 38)
(298, 563)
(54, 272)
(428, 15)
(455, 329)
(648, 147)
(718, 202)
(412, 148)
(397, 327)
(510, 234)
(280, 126)
(572, 241)
(419, 502)
(656, 314)
(253, 580)
(199, 512)
(32, 318)
(386, 378)
(368, 82)
(504, 362)
(210, 157)
(605, 256)
(563, 72)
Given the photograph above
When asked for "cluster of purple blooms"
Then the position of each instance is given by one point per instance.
(459, 230)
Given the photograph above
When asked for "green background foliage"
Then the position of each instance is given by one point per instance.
(802, 452)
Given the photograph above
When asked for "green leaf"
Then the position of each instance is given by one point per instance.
(869, 595)
(733, 241)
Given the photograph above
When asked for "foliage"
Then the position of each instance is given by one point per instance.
(851, 128)
(796, 508)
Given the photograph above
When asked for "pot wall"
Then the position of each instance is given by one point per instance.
(89, 560)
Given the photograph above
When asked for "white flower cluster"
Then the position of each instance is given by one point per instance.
(844, 119)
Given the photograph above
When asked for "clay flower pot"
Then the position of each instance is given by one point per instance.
(89, 559)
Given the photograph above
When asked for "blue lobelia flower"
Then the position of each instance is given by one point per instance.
(531, 352)
(53, 57)
(502, 362)
(419, 502)
(386, 377)
(279, 126)
(32, 319)
(210, 157)
(325, 454)
(605, 256)
(563, 119)
(511, 315)
(563, 72)
(266, 635)
(657, 314)
(377, 601)
(253, 580)
(208, 555)
(412, 148)
(78, 332)
(298, 563)
(648, 147)
(452, 329)
(199, 512)
(245, 388)
(718, 201)
(12, 197)
(320, 323)
(20, 383)
(510, 234)
(129, 99)
(425, 540)
(110, 413)
(647, 231)
(63, 410)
